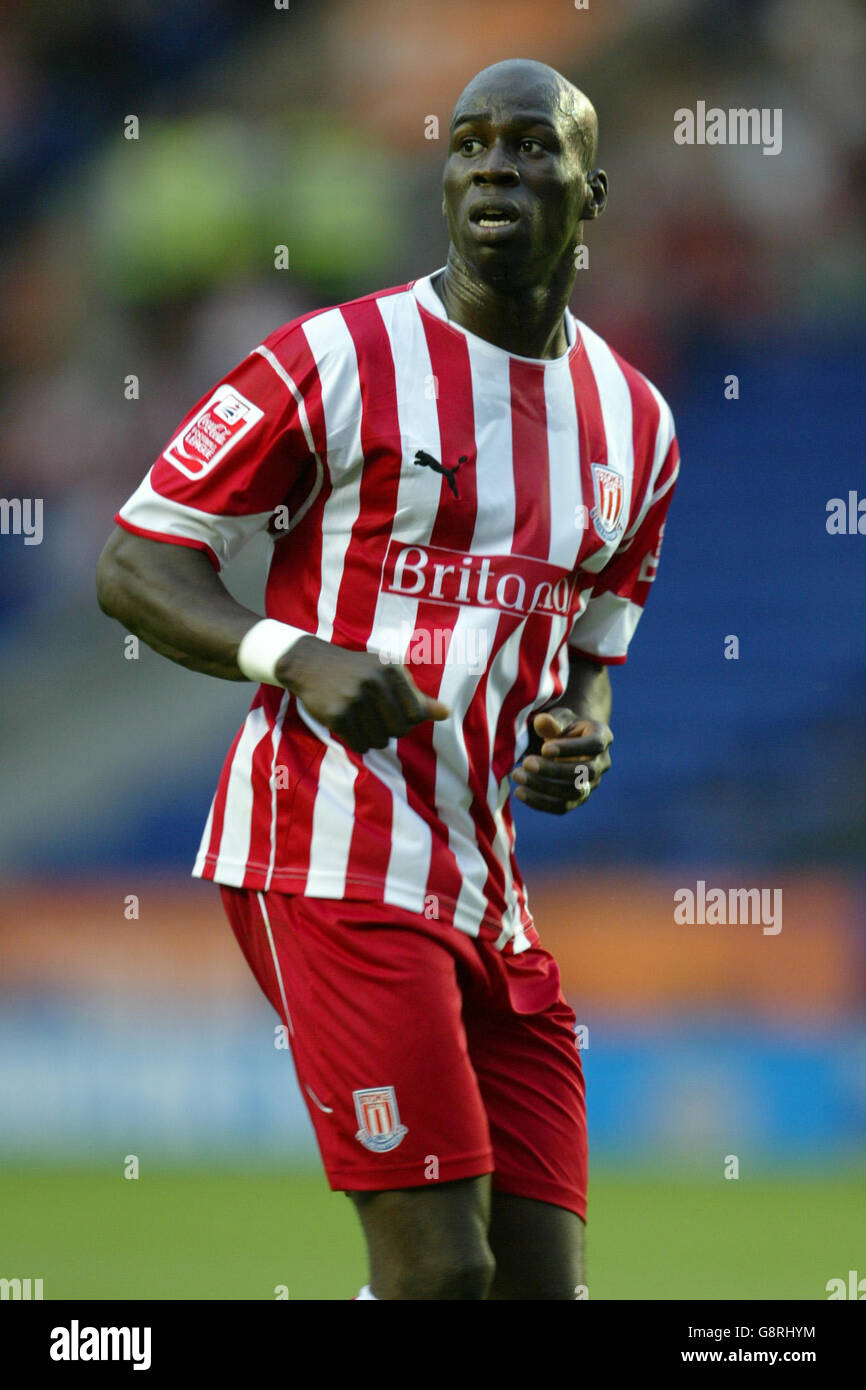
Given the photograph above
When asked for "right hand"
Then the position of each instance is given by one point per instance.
(364, 701)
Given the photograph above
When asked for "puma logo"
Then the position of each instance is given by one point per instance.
(425, 460)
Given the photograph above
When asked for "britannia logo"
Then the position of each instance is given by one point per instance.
(519, 584)
(609, 497)
(379, 1119)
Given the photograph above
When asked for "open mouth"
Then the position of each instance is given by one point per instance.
(493, 215)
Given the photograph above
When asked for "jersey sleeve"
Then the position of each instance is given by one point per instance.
(240, 453)
(603, 630)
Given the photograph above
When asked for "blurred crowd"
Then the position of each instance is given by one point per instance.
(257, 127)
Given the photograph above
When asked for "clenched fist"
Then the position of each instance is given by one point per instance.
(362, 700)
(573, 758)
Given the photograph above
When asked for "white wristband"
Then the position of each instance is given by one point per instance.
(263, 645)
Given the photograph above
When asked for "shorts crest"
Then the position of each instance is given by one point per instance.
(379, 1119)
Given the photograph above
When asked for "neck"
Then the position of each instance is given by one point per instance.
(524, 319)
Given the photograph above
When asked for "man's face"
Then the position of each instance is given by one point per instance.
(514, 184)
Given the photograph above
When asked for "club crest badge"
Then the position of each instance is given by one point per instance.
(609, 487)
(379, 1119)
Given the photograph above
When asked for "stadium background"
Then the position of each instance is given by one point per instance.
(145, 1036)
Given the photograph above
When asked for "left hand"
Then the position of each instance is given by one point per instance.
(573, 759)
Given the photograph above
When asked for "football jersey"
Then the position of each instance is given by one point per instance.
(439, 501)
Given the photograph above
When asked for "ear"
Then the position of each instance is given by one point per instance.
(596, 194)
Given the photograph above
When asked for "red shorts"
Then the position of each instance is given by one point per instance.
(423, 1054)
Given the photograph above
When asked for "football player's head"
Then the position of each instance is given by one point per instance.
(519, 177)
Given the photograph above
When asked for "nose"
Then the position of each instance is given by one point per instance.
(497, 167)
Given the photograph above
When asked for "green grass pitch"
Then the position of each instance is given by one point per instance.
(216, 1234)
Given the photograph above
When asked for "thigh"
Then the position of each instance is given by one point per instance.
(528, 1067)
(428, 1243)
(538, 1249)
(373, 1012)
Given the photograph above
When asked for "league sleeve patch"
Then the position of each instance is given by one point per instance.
(214, 429)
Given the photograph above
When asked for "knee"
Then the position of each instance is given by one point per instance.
(458, 1274)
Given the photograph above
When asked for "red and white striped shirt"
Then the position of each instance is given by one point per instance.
(542, 533)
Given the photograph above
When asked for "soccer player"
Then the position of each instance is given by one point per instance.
(466, 490)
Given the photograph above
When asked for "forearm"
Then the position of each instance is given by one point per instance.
(172, 598)
(587, 695)
(588, 691)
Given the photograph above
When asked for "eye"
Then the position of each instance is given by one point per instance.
(468, 140)
(531, 141)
